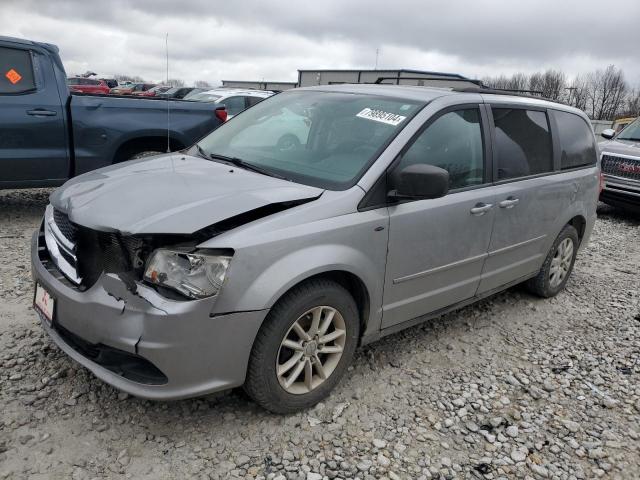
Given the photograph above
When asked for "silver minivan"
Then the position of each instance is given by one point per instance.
(250, 260)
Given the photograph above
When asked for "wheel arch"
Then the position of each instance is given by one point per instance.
(136, 145)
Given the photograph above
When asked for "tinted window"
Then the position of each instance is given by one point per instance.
(577, 147)
(452, 142)
(234, 105)
(523, 143)
(16, 71)
(631, 132)
(253, 100)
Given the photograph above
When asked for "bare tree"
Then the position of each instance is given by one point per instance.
(551, 84)
(518, 81)
(632, 105)
(606, 91)
(174, 82)
(201, 84)
(128, 78)
(577, 95)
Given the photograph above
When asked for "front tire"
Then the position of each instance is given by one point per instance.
(558, 265)
(304, 347)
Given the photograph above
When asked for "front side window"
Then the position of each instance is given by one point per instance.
(16, 71)
(324, 139)
(523, 142)
(577, 148)
(452, 142)
(631, 132)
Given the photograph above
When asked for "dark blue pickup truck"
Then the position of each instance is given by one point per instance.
(48, 135)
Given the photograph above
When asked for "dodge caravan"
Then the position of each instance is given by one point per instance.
(248, 260)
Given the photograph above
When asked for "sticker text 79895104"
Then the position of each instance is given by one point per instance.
(381, 116)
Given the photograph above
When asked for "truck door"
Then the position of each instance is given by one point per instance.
(33, 142)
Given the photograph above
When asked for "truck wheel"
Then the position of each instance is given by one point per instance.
(558, 265)
(303, 347)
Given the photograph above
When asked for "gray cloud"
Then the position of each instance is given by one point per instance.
(248, 40)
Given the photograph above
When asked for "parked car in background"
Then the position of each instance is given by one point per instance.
(49, 134)
(620, 123)
(235, 100)
(111, 82)
(621, 167)
(131, 89)
(87, 85)
(180, 92)
(152, 92)
(234, 264)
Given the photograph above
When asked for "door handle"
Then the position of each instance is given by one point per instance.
(41, 112)
(509, 202)
(481, 208)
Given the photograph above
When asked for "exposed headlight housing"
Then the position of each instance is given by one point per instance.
(195, 275)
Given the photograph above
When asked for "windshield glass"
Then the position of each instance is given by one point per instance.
(631, 132)
(324, 139)
(204, 97)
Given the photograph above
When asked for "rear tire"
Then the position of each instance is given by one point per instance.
(292, 365)
(558, 265)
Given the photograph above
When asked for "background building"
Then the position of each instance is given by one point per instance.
(307, 78)
(258, 85)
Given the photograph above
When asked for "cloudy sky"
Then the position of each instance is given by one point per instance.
(247, 40)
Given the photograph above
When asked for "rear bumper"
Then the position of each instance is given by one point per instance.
(621, 192)
(142, 343)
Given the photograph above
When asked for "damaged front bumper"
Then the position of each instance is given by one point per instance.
(143, 343)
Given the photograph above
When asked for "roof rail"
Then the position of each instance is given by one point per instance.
(442, 79)
(504, 91)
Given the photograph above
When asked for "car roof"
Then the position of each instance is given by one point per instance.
(229, 92)
(427, 94)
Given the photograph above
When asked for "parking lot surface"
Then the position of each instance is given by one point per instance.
(512, 387)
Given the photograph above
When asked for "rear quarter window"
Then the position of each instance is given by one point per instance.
(577, 148)
(16, 71)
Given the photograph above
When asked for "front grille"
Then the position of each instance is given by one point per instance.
(67, 228)
(107, 252)
(96, 252)
(621, 166)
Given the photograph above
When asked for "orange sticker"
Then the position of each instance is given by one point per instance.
(13, 76)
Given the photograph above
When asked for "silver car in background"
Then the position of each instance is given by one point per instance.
(248, 261)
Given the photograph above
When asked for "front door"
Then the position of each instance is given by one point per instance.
(437, 247)
(33, 143)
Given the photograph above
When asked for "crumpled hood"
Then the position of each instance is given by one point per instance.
(172, 194)
(621, 147)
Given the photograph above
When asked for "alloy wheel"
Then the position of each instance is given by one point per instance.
(561, 262)
(311, 350)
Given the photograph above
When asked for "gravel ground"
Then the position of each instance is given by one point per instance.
(513, 387)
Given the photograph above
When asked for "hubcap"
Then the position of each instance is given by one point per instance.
(311, 350)
(561, 262)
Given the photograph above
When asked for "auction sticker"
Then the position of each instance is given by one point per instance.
(381, 116)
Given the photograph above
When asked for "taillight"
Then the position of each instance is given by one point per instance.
(221, 113)
(601, 185)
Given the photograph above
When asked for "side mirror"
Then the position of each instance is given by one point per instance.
(421, 181)
(609, 133)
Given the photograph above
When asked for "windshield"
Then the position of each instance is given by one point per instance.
(324, 139)
(204, 97)
(631, 132)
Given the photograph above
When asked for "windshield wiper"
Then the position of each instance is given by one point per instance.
(632, 139)
(238, 162)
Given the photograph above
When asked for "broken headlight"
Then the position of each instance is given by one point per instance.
(195, 275)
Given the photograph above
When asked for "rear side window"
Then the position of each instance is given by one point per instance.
(234, 105)
(16, 71)
(577, 147)
(452, 142)
(251, 101)
(523, 142)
